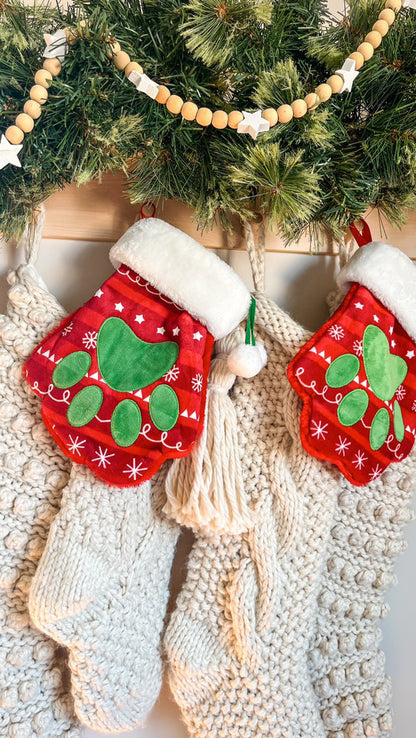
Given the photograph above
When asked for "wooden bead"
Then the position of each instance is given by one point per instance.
(38, 94)
(235, 117)
(204, 116)
(25, 122)
(14, 135)
(43, 78)
(335, 82)
(133, 67)
(366, 50)
(299, 108)
(270, 114)
(53, 66)
(374, 38)
(33, 109)
(394, 5)
(174, 104)
(189, 111)
(324, 92)
(358, 58)
(121, 59)
(382, 27)
(387, 15)
(71, 35)
(312, 101)
(284, 113)
(220, 119)
(163, 95)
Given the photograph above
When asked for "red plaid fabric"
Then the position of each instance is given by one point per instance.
(322, 433)
(153, 318)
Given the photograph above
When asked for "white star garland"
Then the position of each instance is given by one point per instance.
(143, 83)
(8, 153)
(56, 45)
(348, 74)
(253, 124)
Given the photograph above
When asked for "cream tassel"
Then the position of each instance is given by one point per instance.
(205, 490)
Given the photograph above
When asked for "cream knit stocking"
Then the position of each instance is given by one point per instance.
(238, 641)
(34, 698)
(101, 589)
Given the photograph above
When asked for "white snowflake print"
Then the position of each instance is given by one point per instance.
(400, 393)
(197, 382)
(75, 445)
(358, 347)
(103, 457)
(68, 328)
(172, 374)
(336, 332)
(359, 459)
(342, 446)
(90, 339)
(375, 472)
(319, 429)
(414, 406)
(135, 469)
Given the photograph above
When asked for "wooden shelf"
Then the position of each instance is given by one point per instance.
(100, 211)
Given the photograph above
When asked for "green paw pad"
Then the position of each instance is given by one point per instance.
(164, 407)
(71, 369)
(352, 407)
(342, 370)
(84, 406)
(126, 423)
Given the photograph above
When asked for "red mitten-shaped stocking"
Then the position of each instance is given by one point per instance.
(123, 379)
(357, 375)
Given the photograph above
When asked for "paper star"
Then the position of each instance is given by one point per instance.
(8, 153)
(348, 74)
(359, 305)
(161, 330)
(119, 307)
(410, 354)
(99, 293)
(56, 45)
(253, 124)
(143, 83)
(393, 344)
(198, 336)
(139, 319)
(410, 4)
(176, 331)
(376, 318)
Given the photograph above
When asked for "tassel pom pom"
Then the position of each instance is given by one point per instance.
(246, 360)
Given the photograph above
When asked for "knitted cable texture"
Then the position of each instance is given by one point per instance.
(34, 684)
(238, 641)
(296, 601)
(101, 590)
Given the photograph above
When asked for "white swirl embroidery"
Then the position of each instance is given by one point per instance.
(338, 397)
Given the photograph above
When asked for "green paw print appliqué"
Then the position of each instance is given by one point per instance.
(385, 374)
(126, 364)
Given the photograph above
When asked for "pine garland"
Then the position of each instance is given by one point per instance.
(357, 151)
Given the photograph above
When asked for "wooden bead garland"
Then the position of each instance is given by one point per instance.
(189, 110)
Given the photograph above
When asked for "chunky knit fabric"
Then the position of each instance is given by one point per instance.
(346, 662)
(238, 642)
(296, 602)
(101, 590)
(34, 684)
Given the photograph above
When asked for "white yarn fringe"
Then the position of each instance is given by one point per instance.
(205, 490)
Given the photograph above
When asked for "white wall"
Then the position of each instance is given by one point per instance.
(299, 283)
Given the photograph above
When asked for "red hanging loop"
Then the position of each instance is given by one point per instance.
(143, 210)
(364, 236)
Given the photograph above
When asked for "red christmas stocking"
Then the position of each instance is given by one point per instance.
(357, 375)
(123, 379)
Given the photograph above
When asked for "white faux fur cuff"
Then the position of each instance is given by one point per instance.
(180, 268)
(390, 275)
